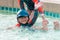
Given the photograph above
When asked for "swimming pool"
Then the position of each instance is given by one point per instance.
(17, 34)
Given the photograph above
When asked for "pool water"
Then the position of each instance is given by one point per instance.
(25, 34)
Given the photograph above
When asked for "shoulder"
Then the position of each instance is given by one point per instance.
(18, 25)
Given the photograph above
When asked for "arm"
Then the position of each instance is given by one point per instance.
(44, 26)
(41, 11)
(21, 4)
(39, 7)
(13, 27)
(40, 28)
(37, 28)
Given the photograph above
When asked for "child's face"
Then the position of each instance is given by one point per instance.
(23, 20)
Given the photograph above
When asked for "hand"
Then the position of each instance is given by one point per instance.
(56, 25)
(44, 24)
(36, 27)
(45, 21)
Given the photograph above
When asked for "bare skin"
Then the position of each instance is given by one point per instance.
(56, 25)
(23, 20)
(44, 26)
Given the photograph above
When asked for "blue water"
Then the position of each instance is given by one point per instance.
(25, 34)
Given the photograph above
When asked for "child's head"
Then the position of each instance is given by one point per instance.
(23, 17)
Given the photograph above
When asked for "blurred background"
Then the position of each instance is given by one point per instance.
(51, 7)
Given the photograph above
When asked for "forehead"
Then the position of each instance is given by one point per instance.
(23, 17)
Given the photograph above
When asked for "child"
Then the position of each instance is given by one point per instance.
(24, 20)
(56, 25)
